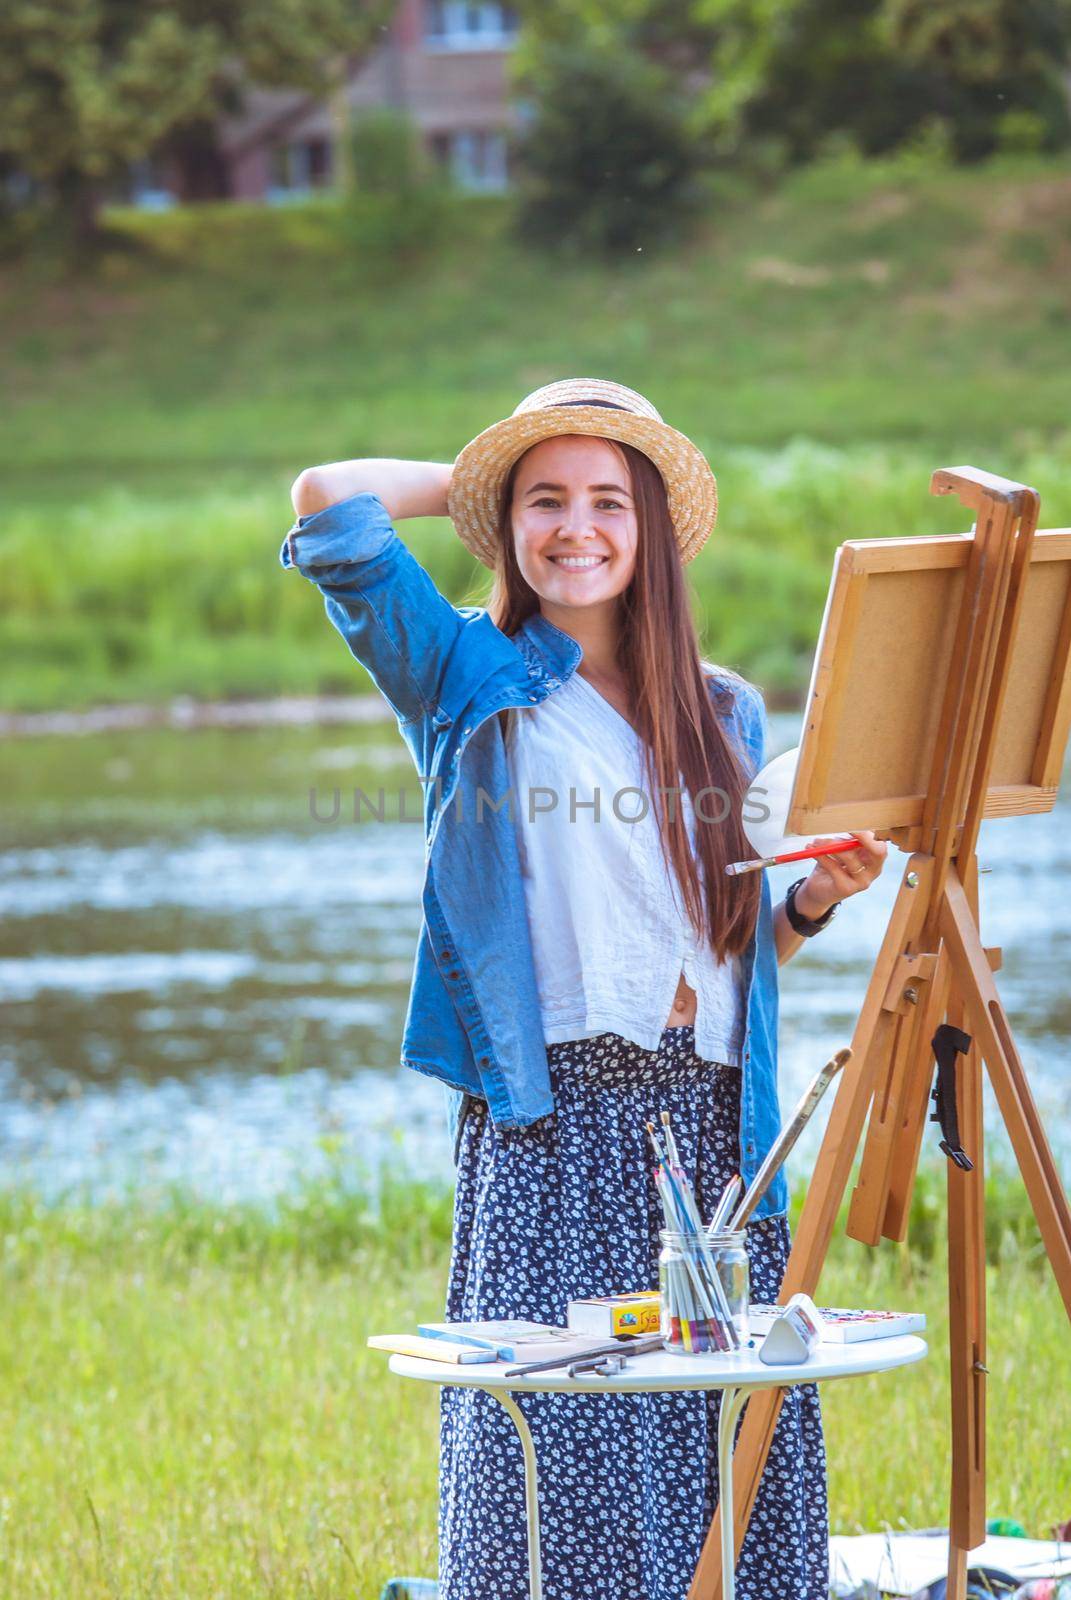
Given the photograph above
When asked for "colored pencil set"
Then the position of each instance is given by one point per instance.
(695, 1312)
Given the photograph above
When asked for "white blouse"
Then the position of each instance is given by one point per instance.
(609, 933)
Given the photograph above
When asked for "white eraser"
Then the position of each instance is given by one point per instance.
(794, 1334)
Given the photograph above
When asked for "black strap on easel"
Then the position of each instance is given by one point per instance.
(948, 1042)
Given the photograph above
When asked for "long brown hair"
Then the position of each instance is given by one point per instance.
(673, 712)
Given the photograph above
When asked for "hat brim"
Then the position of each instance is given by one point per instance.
(481, 469)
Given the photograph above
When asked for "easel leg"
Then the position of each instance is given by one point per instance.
(914, 1108)
(967, 1322)
(957, 1573)
(871, 1043)
(988, 1023)
(866, 1213)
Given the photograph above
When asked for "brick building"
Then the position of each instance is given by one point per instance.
(442, 62)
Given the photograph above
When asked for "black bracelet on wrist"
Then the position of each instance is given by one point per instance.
(802, 925)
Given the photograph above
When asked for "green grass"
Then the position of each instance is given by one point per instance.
(136, 596)
(827, 344)
(188, 1408)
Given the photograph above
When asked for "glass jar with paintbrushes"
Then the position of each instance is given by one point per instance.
(694, 1321)
(695, 1313)
(703, 1269)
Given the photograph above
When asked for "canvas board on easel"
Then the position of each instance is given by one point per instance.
(866, 759)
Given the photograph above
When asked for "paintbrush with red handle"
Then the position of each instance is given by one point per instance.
(827, 849)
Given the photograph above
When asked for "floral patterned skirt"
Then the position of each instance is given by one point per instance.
(628, 1483)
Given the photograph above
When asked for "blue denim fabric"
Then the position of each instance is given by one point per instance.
(473, 1019)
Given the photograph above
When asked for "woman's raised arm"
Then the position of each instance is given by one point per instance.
(382, 601)
(406, 488)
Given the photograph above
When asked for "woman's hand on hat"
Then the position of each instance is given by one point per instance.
(838, 876)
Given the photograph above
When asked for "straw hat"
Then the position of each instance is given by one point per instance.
(580, 405)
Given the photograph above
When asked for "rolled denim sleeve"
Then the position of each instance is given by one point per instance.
(353, 530)
(393, 619)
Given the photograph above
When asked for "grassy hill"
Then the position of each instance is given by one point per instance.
(827, 344)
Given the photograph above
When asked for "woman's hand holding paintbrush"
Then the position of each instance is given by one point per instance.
(824, 847)
(843, 867)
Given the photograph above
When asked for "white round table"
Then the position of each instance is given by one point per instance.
(739, 1375)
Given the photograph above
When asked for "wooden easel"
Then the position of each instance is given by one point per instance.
(989, 742)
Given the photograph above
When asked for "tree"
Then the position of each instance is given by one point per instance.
(791, 72)
(87, 86)
(986, 61)
(608, 162)
(794, 71)
(880, 70)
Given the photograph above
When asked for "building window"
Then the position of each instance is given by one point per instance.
(318, 153)
(459, 25)
(476, 158)
(299, 167)
(148, 188)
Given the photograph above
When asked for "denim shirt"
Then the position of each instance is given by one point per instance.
(473, 1019)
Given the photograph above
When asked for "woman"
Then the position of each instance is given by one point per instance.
(584, 962)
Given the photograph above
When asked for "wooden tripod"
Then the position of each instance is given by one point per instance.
(932, 967)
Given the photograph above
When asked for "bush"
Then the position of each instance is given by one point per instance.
(929, 148)
(1021, 132)
(398, 202)
(388, 157)
(608, 163)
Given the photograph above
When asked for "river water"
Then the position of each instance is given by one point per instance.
(204, 985)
